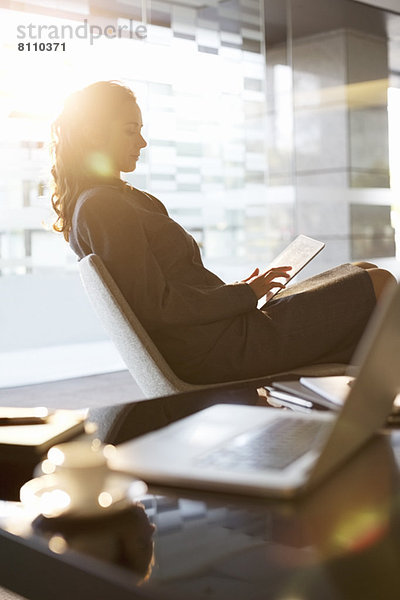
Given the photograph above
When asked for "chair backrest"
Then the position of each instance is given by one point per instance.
(144, 361)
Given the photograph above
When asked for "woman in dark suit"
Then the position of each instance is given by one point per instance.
(207, 330)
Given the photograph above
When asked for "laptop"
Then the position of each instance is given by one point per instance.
(270, 452)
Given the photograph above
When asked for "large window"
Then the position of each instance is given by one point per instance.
(333, 105)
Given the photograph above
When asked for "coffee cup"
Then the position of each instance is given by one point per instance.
(79, 469)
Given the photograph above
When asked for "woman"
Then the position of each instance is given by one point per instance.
(207, 330)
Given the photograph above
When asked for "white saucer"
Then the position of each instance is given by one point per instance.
(50, 497)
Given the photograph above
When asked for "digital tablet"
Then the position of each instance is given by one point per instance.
(297, 255)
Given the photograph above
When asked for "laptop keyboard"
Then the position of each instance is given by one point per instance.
(275, 446)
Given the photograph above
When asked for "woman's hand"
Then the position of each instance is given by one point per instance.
(264, 283)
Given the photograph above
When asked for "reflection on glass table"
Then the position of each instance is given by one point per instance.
(341, 541)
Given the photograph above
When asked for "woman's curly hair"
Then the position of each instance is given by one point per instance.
(76, 160)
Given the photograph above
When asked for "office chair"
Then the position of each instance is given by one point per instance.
(144, 361)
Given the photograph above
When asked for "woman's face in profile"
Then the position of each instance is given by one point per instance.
(125, 139)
